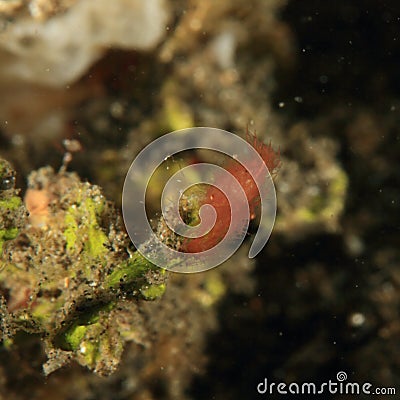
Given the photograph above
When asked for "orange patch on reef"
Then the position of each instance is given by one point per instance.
(37, 202)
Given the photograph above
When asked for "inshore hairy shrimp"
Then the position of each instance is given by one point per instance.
(214, 196)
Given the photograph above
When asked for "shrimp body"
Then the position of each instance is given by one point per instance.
(217, 199)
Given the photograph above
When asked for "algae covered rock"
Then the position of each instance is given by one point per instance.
(68, 276)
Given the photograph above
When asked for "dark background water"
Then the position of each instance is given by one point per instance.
(304, 324)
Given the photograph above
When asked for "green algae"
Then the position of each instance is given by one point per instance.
(7, 234)
(74, 336)
(71, 232)
(131, 272)
(329, 204)
(153, 292)
(82, 221)
(12, 212)
(12, 204)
